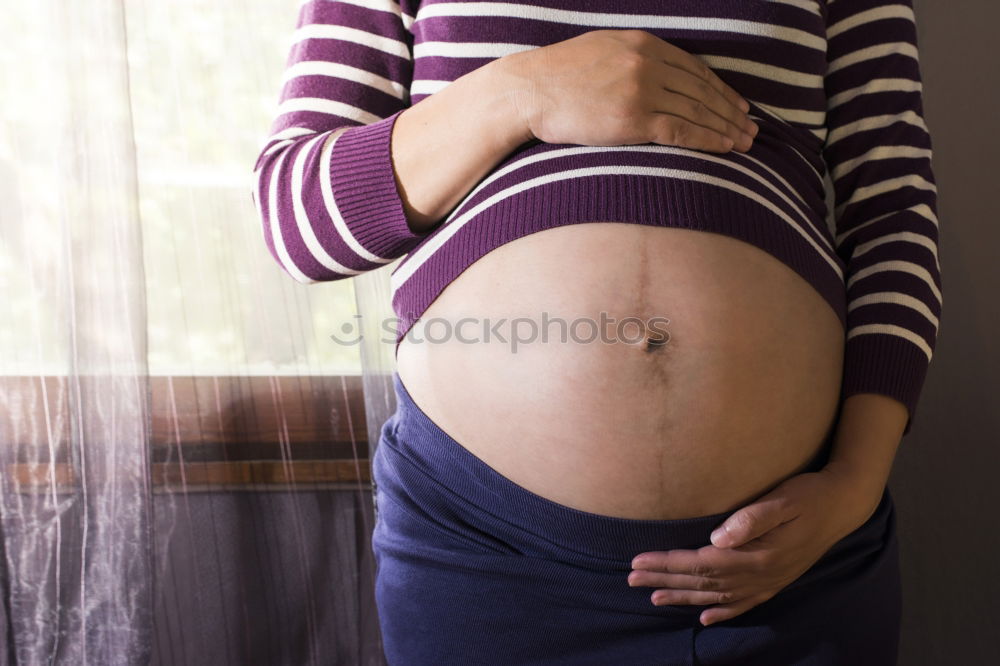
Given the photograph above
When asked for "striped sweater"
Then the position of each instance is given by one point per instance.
(834, 85)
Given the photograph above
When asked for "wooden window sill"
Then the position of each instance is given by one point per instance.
(255, 433)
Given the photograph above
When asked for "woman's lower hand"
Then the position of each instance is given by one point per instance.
(761, 548)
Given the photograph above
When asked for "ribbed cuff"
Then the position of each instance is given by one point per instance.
(886, 365)
(365, 192)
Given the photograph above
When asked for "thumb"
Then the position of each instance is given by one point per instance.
(750, 522)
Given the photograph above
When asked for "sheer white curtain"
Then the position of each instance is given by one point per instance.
(184, 465)
(374, 303)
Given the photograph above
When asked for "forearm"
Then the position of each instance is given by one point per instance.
(446, 143)
(868, 433)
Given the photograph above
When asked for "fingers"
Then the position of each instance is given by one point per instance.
(682, 121)
(683, 82)
(728, 580)
(697, 109)
(692, 597)
(707, 561)
(677, 581)
(727, 611)
(752, 521)
(690, 63)
(670, 130)
(684, 589)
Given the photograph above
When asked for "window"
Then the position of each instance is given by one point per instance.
(248, 387)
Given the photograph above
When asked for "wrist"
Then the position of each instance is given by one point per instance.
(858, 491)
(512, 74)
(864, 447)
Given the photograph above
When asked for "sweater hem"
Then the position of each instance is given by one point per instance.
(633, 199)
(887, 365)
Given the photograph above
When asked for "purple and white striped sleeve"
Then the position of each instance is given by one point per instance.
(878, 150)
(328, 201)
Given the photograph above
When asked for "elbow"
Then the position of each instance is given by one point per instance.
(303, 231)
(289, 249)
(292, 257)
(299, 264)
(298, 276)
(303, 273)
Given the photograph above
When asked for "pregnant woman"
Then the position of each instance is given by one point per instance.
(648, 398)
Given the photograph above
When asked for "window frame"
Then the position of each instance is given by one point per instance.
(211, 433)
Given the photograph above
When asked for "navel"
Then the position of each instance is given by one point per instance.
(653, 342)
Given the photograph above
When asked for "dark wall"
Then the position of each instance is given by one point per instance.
(946, 479)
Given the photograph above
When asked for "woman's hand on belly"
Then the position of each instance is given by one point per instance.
(758, 551)
(623, 87)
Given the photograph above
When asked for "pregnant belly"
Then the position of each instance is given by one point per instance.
(631, 371)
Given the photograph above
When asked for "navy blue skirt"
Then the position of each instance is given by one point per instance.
(475, 569)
